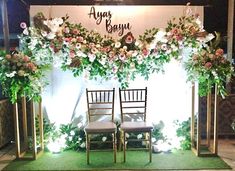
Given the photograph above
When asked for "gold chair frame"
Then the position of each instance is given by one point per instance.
(100, 97)
(35, 153)
(128, 97)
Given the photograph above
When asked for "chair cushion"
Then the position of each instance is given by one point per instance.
(100, 127)
(136, 127)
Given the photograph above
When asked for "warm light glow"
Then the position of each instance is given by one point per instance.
(57, 145)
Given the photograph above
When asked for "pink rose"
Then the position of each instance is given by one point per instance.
(208, 65)
(223, 60)
(80, 39)
(219, 52)
(8, 57)
(145, 52)
(212, 56)
(72, 54)
(175, 31)
(195, 57)
(111, 54)
(122, 57)
(75, 31)
(66, 30)
(68, 39)
(179, 37)
(25, 58)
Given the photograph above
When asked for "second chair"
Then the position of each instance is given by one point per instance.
(133, 104)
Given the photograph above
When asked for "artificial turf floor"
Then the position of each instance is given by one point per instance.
(136, 160)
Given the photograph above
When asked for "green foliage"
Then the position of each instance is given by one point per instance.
(183, 131)
(157, 133)
(74, 136)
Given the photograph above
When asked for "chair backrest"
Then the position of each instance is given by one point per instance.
(100, 103)
(133, 104)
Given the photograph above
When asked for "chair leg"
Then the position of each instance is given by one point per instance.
(120, 148)
(150, 146)
(124, 145)
(147, 139)
(87, 149)
(114, 147)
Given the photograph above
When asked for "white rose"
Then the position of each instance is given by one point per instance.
(83, 145)
(51, 35)
(91, 57)
(139, 136)
(104, 139)
(117, 45)
(72, 133)
(26, 32)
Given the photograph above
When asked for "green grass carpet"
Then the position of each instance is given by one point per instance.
(136, 160)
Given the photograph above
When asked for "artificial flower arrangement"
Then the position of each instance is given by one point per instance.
(72, 47)
(210, 67)
(20, 76)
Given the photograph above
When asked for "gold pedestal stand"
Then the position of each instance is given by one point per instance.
(23, 150)
(209, 145)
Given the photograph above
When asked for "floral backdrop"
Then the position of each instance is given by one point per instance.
(73, 47)
(56, 42)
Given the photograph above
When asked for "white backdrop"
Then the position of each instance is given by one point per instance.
(169, 96)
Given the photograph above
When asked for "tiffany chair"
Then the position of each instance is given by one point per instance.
(133, 103)
(100, 104)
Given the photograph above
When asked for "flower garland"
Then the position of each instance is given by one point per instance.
(87, 53)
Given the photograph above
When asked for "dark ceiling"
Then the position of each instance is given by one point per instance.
(113, 2)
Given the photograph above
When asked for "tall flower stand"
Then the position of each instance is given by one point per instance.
(23, 150)
(208, 145)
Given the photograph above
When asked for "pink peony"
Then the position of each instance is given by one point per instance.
(208, 65)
